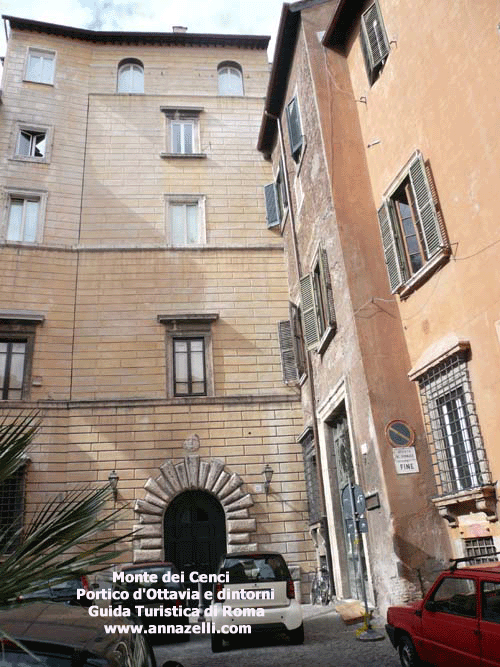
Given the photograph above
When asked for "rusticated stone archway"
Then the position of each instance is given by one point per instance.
(191, 472)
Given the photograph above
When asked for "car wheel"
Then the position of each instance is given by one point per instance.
(216, 643)
(297, 635)
(407, 653)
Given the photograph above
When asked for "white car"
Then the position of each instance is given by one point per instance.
(257, 591)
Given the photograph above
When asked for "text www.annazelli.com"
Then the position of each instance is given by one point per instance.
(180, 629)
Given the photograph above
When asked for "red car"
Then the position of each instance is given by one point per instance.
(457, 624)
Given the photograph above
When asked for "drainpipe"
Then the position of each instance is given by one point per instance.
(312, 393)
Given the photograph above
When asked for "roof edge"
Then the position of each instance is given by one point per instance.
(337, 32)
(177, 38)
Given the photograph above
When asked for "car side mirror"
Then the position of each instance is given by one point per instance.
(431, 605)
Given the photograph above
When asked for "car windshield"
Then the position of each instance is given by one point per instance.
(256, 568)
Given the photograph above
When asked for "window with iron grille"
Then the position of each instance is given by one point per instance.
(311, 477)
(458, 453)
(481, 549)
(11, 510)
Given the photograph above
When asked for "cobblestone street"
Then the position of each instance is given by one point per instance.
(328, 642)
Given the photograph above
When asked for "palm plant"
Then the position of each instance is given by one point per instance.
(65, 537)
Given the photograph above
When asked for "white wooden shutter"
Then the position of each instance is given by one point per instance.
(391, 251)
(426, 210)
(287, 349)
(310, 326)
(294, 128)
(327, 283)
(272, 209)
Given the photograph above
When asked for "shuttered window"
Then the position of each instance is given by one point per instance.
(374, 42)
(318, 311)
(291, 347)
(276, 200)
(410, 226)
(294, 128)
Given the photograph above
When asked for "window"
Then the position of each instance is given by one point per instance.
(311, 476)
(458, 452)
(292, 347)
(480, 550)
(23, 219)
(185, 220)
(491, 600)
(189, 367)
(40, 66)
(276, 199)
(31, 144)
(17, 334)
(24, 216)
(230, 79)
(12, 509)
(455, 595)
(189, 353)
(374, 42)
(319, 323)
(182, 132)
(131, 76)
(12, 367)
(413, 235)
(294, 128)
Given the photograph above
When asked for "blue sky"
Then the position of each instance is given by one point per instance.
(254, 17)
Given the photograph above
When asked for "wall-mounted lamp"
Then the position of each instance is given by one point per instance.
(113, 481)
(268, 474)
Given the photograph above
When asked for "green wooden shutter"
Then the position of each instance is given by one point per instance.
(294, 128)
(309, 317)
(287, 349)
(391, 251)
(374, 42)
(271, 205)
(426, 210)
(327, 285)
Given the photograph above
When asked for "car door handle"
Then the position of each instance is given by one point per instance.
(477, 632)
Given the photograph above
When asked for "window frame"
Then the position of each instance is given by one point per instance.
(374, 57)
(292, 350)
(319, 322)
(129, 62)
(25, 195)
(32, 128)
(428, 223)
(182, 115)
(455, 458)
(189, 326)
(185, 200)
(313, 490)
(189, 380)
(18, 326)
(235, 67)
(43, 53)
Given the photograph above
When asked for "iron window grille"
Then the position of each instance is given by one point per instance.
(480, 550)
(457, 449)
(12, 510)
(311, 477)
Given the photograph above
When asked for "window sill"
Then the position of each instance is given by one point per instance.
(23, 158)
(480, 499)
(327, 336)
(189, 156)
(439, 259)
(40, 83)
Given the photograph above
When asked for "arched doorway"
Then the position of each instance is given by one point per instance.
(195, 532)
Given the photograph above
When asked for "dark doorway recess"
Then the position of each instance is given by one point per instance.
(195, 533)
